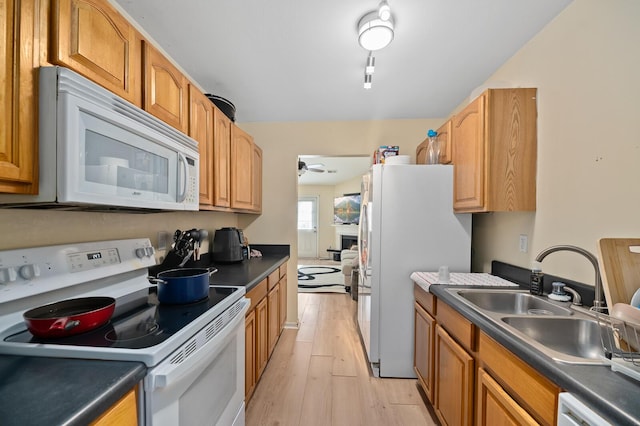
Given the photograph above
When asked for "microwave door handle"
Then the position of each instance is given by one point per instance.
(182, 160)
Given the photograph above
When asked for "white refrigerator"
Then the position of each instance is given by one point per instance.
(407, 224)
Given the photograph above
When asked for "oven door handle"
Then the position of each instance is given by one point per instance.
(167, 373)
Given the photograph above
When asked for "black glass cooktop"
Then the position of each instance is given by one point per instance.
(146, 324)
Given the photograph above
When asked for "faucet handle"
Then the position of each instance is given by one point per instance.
(558, 292)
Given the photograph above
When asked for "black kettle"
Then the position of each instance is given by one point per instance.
(227, 245)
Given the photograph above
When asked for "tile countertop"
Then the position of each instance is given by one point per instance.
(47, 391)
(612, 395)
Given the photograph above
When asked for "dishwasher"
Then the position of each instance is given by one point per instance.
(573, 412)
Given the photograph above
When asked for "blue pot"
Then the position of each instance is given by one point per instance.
(185, 285)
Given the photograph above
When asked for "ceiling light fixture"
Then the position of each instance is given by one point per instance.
(367, 81)
(384, 11)
(371, 65)
(375, 33)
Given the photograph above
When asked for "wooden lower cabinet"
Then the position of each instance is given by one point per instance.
(122, 413)
(453, 381)
(496, 407)
(273, 300)
(262, 337)
(425, 326)
(283, 301)
(250, 354)
(470, 378)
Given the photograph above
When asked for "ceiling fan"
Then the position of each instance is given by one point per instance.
(303, 168)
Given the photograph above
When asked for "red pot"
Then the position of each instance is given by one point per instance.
(69, 317)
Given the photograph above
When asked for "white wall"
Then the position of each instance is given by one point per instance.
(586, 67)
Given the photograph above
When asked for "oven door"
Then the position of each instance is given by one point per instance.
(200, 384)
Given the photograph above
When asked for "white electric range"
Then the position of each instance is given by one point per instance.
(194, 352)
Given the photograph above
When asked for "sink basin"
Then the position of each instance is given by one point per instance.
(570, 339)
(513, 303)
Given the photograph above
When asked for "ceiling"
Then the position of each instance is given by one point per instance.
(293, 60)
(337, 169)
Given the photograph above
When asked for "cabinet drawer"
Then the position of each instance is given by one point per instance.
(460, 328)
(425, 299)
(273, 278)
(256, 294)
(525, 385)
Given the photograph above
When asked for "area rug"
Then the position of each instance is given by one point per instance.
(320, 279)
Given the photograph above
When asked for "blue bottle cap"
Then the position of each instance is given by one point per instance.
(431, 133)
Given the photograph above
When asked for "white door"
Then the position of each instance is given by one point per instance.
(308, 227)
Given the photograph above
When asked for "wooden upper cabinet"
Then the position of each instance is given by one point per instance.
(444, 138)
(494, 147)
(201, 129)
(221, 159)
(242, 153)
(19, 52)
(444, 141)
(256, 170)
(92, 38)
(165, 89)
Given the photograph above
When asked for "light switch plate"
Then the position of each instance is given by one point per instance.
(524, 243)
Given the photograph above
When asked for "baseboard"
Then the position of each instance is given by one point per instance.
(292, 325)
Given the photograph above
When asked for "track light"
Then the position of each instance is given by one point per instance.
(373, 32)
(367, 81)
(371, 65)
(384, 11)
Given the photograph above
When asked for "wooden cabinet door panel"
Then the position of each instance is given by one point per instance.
(241, 169)
(444, 139)
(283, 302)
(496, 407)
(453, 384)
(425, 326)
(273, 302)
(165, 89)
(122, 413)
(262, 342)
(201, 129)
(92, 38)
(221, 159)
(250, 354)
(469, 156)
(256, 173)
(19, 50)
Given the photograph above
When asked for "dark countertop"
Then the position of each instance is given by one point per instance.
(613, 395)
(61, 391)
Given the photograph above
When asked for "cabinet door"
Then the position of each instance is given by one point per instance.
(201, 129)
(283, 302)
(122, 413)
(262, 342)
(444, 139)
(250, 354)
(273, 302)
(241, 169)
(19, 52)
(256, 172)
(453, 384)
(496, 407)
(165, 90)
(92, 38)
(425, 326)
(221, 159)
(421, 152)
(468, 145)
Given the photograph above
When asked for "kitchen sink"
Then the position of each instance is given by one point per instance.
(513, 302)
(562, 333)
(574, 340)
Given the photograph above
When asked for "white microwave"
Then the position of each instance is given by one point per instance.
(98, 150)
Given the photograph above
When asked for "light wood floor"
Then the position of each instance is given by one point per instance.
(318, 375)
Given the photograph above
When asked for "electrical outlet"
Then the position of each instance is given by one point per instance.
(163, 238)
(524, 243)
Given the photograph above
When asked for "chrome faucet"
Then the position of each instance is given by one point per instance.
(598, 297)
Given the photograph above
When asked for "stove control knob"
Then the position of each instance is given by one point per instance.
(7, 275)
(29, 272)
(149, 251)
(140, 253)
